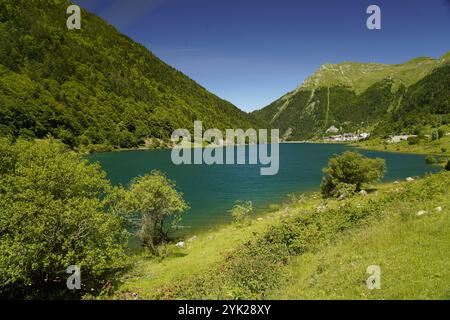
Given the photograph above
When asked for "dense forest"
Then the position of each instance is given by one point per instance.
(93, 86)
(396, 99)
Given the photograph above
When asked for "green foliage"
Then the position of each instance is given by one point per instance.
(154, 199)
(413, 140)
(447, 166)
(258, 268)
(337, 270)
(241, 211)
(431, 160)
(348, 171)
(55, 212)
(93, 83)
(435, 135)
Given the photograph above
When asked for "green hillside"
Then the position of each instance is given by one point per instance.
(309, 248)
(356, 96)
(93, 86)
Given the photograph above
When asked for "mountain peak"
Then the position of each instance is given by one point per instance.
(359, 76)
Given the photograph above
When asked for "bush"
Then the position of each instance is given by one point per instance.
(154, 198)
(54, 213)
(434, 136)
(413, 140)
(349, 171)
(430, 160)
(241, 211)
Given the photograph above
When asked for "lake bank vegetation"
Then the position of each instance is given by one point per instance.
(56, 210)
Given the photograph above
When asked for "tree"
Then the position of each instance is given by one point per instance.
(54, 213)
(351, 168)
(413, 140)
(435, 135)
(241, 210)
(155, 199)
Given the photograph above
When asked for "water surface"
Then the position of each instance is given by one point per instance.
(212, 190)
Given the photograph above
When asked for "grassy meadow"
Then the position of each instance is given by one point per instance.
(311, 248)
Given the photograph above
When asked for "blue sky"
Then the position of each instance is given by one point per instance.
(251, 52)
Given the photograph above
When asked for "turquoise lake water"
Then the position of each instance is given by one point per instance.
(212, 190)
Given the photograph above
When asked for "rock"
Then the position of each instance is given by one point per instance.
(363, 192)
(321, 208)
(421, 213)
(180, 244)
(260, 219)
(341, 197)
(211, 237)
(409, 179)
(396, 182)
(438, 209)
(192, 239)
(135, 295)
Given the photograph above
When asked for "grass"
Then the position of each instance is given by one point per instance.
(208, 249)
(301, 252)
(438, 148)
(412, 251)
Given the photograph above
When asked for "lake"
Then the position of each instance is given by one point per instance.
(212, 190)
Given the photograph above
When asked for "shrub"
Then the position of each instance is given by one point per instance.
(413, 140)
(54, 213)
(155, 199)
(241, 210)
(441, 133)
(351, 170)
(434, 136)
(447, 166)
(430, 160)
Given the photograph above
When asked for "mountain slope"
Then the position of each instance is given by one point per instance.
(94, 85)
(356, 96)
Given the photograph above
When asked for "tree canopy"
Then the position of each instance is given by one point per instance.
(351, 170)
(154, 199)
(94, 86)
(54, 213)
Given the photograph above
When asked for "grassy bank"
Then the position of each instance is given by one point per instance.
(438, 148)
(311, 248)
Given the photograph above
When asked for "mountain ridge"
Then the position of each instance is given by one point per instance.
(93, 86)
(351, 95)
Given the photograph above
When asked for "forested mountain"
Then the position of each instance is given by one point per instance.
(377, 97)
(93, 86)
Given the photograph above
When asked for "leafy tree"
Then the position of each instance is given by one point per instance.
(435, 135)
(54, 213)
(441, 133)
(154, 199)
(351, 168)
(241, 210)
(413, 140)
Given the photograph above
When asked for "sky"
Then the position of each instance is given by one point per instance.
(251, 52)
